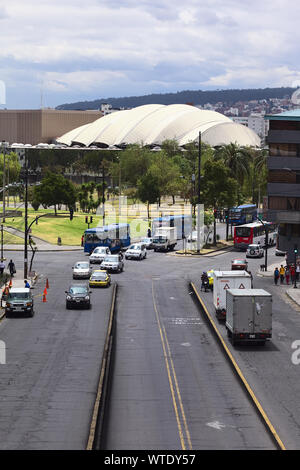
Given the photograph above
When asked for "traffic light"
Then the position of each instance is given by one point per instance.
(86, 219)
(296, 249)
(91, 219)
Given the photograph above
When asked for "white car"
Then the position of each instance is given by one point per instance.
(255, 251)
(136, 251)
(99, 254)
(82, 270)
(148, 242)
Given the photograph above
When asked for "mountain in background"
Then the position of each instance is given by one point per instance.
(199, 97)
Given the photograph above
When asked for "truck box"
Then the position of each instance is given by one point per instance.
(164, 238)
(224, 280)
(248, 315)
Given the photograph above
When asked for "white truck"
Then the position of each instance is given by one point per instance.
(248, 315)
(164, 239)
(224, 280)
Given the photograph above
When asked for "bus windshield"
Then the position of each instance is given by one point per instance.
(243, 231)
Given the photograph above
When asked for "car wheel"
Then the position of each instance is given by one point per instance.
(67, 306)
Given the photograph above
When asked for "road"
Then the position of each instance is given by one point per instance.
(171, 389)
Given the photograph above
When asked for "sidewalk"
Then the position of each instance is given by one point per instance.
(291, 292)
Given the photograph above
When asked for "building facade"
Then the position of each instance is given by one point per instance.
(41, 125)
(284, 178)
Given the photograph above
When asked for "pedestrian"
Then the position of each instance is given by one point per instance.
(12, 268)
(2, 266)
(82, 238)
(281, 273)
(27, 285)
(293, 273)
(251, 276)
(297, 272)
(149, 233)
(276, 275)
(287, 274)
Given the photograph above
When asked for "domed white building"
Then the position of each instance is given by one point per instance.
(152, 124)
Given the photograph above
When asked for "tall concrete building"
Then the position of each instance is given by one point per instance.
(41, 125)
(284, 178)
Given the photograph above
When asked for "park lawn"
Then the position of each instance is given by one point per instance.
(70, 231)
(9, 239)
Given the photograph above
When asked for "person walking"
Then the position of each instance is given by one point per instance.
(27, 285)
(281, 274)
(12, 268)
(276, 276)
(2, 266)
(287, 274)
(293, 273)
(297, 272)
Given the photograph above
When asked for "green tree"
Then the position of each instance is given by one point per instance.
(148, 190)
(54, 190)
(219, 188)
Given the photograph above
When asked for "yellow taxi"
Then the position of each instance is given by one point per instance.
(100, 278)
(210, 275)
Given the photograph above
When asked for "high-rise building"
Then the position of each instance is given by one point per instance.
(284, 178)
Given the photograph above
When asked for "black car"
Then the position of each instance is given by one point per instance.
(78, 295)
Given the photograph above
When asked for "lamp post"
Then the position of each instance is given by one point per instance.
(4, 146)
(103, 194)
(295, 277)
(26, 219)
(266, 243)
(198, 196)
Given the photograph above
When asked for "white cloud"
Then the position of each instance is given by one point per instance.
(114, 48)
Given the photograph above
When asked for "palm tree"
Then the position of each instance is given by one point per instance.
(238, 159)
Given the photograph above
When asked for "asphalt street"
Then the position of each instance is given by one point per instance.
(171, 388)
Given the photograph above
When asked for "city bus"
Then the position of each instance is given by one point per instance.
(183, 224)
(244, 214)
(114, 236)
(248, 234)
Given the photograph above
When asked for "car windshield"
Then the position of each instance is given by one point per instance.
(146, 240)
(238, 261)
(78, 290)
(159, 240)
(101, 276)
(134, 247)
(18, 296)
(111, 259)
(82, 265)
(253, 247)
(101, 249)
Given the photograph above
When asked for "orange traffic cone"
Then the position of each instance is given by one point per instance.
(47, 284)
(45, 291)
(10, 284)
(44, 298)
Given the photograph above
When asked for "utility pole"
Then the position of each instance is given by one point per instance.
(103, 194)
(198, 198)
(26, 219)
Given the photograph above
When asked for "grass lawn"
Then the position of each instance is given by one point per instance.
(9, 239)
(70, 231)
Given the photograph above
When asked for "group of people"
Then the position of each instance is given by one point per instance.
(287, 273)
(11, 266)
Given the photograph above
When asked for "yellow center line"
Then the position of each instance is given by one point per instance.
(171, 373)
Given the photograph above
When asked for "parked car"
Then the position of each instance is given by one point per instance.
(99, 253)
(280, 252)
(19, 300)
(136, 251)
(239, 265)
(192, 237)
(148, 242)
(255, 251)
(81, 270)
(100, 278)
(78, 295)
(113, 263)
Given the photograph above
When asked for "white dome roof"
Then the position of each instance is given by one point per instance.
(152, 124)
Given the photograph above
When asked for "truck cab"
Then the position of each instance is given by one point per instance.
(19, 300)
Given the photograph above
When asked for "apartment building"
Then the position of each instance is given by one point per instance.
(284, 178)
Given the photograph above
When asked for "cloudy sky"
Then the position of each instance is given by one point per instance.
(59, 51)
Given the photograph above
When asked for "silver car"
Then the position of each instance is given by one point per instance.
(99, 254)
(82, 270)
(113, 263)
(136, 251)
(255, 251)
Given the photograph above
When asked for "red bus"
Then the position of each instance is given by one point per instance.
(248, 234)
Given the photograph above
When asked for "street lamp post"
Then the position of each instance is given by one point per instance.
(266, 243)
(198, 198)
(26, 219)
(4, 146)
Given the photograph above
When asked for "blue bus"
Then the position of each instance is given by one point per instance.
(183, 224)
(114, 236)
(244, 214)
